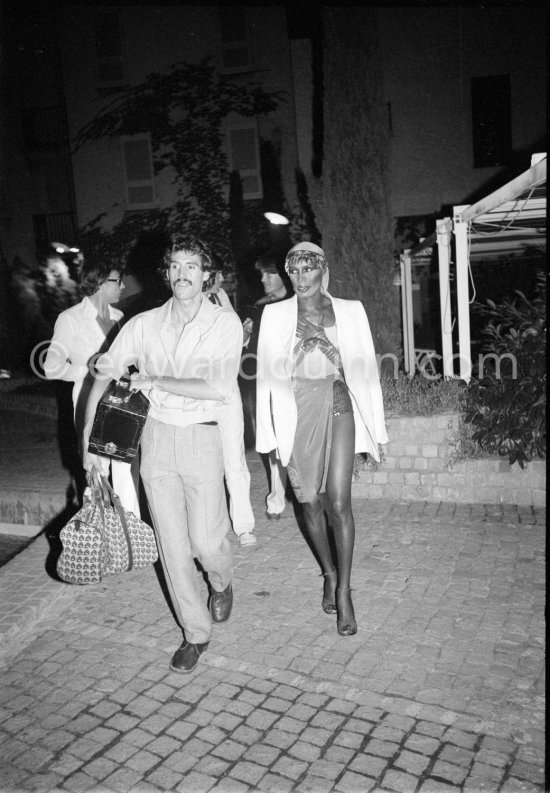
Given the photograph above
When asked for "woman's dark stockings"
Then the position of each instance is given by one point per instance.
(337, 502)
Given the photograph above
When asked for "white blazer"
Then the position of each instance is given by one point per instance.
(276, 413)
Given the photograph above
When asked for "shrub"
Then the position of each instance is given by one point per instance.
(420, 395)
(507, 405)
(414, 396)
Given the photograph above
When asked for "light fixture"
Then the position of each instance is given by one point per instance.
(397, 278)
(276, 219)
(59, 247)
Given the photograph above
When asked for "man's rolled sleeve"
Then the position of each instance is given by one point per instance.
(223, 367)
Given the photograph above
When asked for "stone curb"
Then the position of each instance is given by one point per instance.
(26, 508)
(30, 598)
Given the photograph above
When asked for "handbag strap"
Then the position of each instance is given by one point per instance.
(122, 516)
(97, 492)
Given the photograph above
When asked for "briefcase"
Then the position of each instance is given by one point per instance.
(119, 421)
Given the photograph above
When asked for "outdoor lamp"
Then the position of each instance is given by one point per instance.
(276, 219)
(59, 247)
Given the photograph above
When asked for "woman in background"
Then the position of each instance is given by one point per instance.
(319, 402)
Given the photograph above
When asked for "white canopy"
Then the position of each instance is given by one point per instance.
(505, 221)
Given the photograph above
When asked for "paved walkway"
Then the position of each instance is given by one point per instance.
(442, 688)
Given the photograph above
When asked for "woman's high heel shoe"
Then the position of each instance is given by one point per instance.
(345, 623)
(328, 605)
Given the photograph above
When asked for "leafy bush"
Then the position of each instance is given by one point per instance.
(463, 446)
(506, 405)
(420, 395)
(414, 396)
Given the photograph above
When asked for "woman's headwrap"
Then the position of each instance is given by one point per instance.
(310, 247)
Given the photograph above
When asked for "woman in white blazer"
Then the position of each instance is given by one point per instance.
(318, 403)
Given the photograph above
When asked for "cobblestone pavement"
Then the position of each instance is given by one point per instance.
(441, 689)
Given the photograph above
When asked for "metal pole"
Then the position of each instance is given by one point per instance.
(462, 293)
(444, 229)
(407, 309)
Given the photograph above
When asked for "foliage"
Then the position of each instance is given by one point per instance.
(410, 229)
(462, 445)
(503, 411)
(515, 271)
(420, 396)
(506, 405)
(414, 396)
(351, 199)
(183, 111)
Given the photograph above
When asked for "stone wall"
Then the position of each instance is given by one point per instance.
(418, 467)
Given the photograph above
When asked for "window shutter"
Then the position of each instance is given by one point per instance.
(138, 170)
(244, 158)
(108, 41)
(234, 35)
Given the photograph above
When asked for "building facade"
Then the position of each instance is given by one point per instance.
(465, 92)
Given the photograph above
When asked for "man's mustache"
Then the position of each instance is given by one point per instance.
(183, 281)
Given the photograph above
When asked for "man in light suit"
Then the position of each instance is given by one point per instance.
(187, 353)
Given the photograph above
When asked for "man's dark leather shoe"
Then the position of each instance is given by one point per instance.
(187, 657)
(221, 604)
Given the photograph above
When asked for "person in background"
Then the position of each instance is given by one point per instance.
(55, 285)
(319, 401)
(276, 287)
(81, 333)
(216, 293)
(187, 354)
(231, 424)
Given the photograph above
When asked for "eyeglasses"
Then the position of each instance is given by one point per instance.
(115, 280)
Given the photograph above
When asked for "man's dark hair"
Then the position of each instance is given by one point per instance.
(186, 242)
(270, 261)
(273, 261)
(93, 274)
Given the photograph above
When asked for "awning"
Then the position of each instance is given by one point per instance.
(506, 221)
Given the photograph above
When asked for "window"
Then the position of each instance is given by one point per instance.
(108, 42)
(491, 120)
(234, 35)
(138, 171)
(244, 157)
